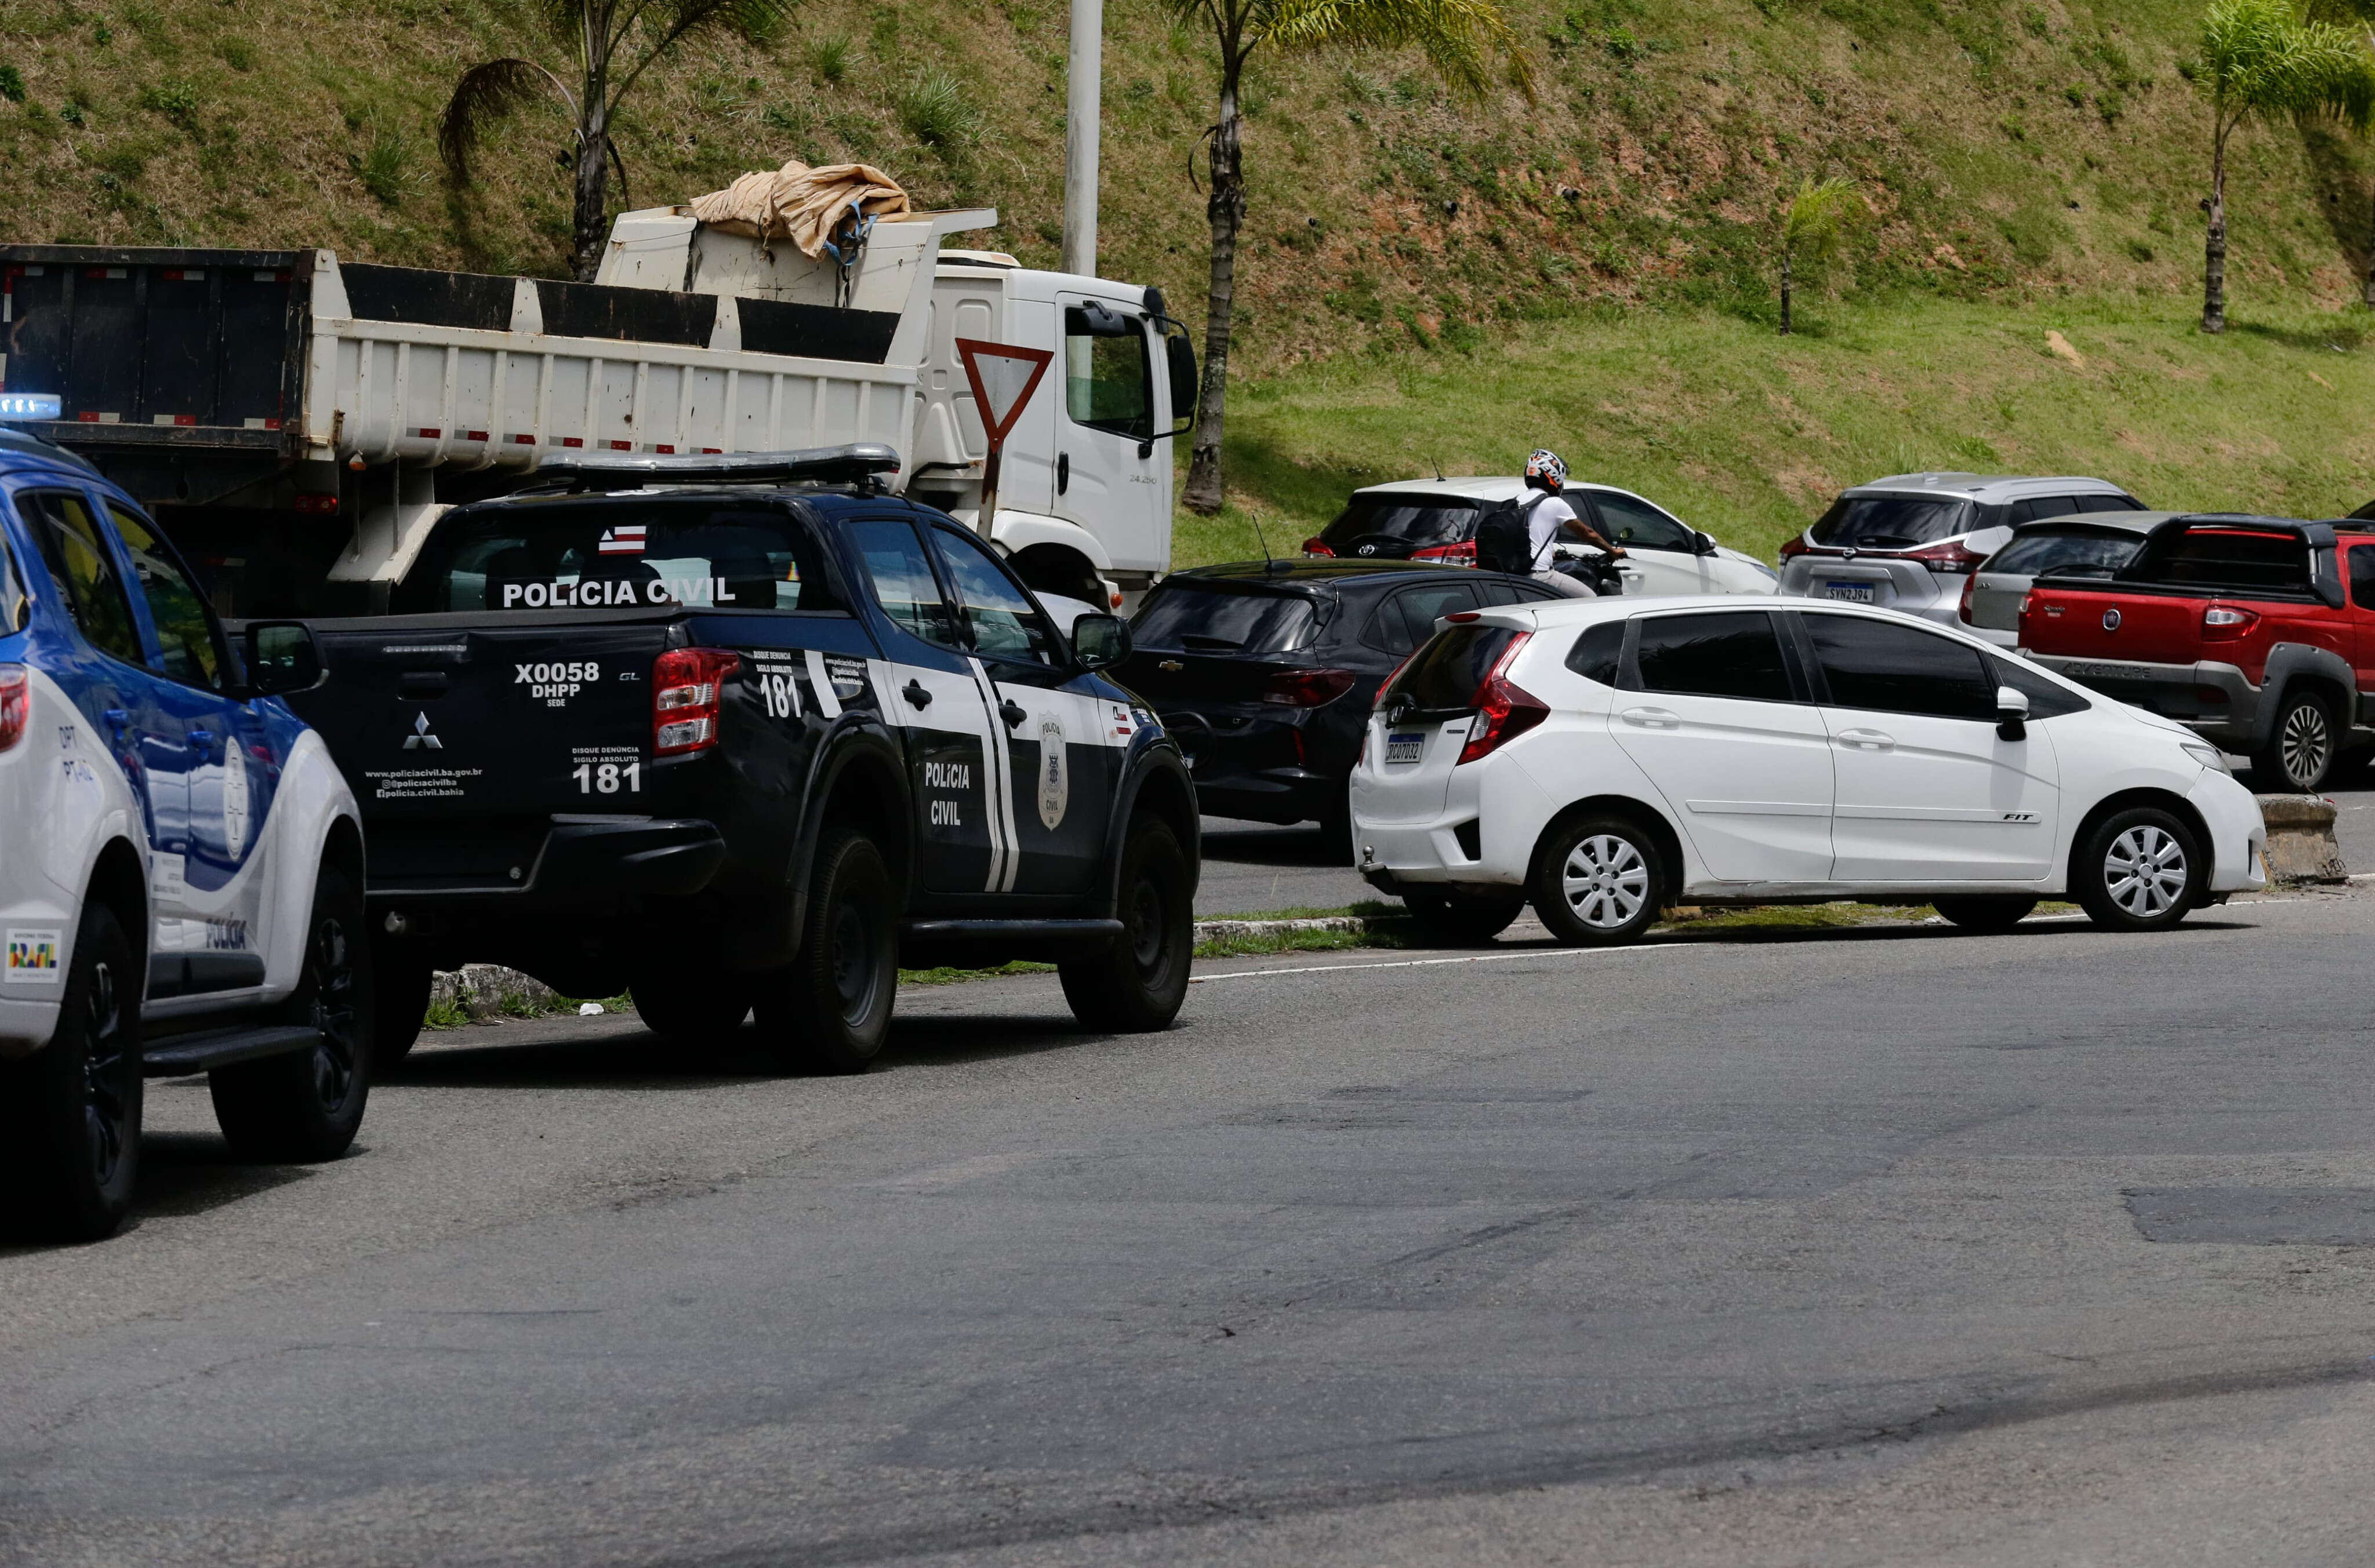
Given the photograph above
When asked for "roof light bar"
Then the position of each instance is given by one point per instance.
(31, 406)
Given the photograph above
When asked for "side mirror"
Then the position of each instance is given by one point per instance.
(1100, 642)
(2011, 713)
(1179, 360)
(1701, 544)
(282, 658)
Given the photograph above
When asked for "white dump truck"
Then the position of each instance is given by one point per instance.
(299, 423)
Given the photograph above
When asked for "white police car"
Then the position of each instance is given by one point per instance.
(180, 863)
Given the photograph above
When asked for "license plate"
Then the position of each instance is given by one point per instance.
(1853, 593)
(1404, 749)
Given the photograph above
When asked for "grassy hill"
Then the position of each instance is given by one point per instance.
(1419, 279)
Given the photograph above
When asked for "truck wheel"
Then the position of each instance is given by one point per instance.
(1138, 983)
(2137, 870)
(696, 1012)
(306, 1106)
(1986, 912)
(829, 1010)
(70, 1113)
(2300, 753)
(1597, 882)
(1462, 919)
(401, 974)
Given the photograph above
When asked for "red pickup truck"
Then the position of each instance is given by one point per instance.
(2257, 632)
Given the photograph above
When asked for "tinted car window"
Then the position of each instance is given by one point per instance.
(83, 572)
(1447, 672)
(594, 555)
(1597, 652)
(902, 578)
(1414, 522)
(2109, 503)
(1900, 670)
(2070, 552)
(1000, 617)
(1893, 522)
(1639, 526)
(2361, 559)
(1212, 619)
(1723, 653)
(1407, 619)
(186, 648)
(2046, 700)
(2230, 558)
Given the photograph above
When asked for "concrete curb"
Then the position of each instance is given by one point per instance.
(2302, 846)
(1224, 928)
(480, 989)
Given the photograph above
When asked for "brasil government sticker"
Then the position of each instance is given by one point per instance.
(33, 957)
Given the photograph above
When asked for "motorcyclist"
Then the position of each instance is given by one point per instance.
(1549, 518)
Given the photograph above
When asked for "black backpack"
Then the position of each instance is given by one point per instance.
(1505, 535)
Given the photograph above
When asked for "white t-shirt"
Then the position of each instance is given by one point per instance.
(1542, 525)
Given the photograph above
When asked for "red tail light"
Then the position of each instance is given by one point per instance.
(1504, 710)
(686, 684)
(1951, 558)
(1463, 553)
(1318, 546)
(1794, 544)
(15, 703)
(2222, 623)
(1307, 688)
(1970, 586)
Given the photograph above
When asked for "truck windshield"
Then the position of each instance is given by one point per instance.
(1892, 522)
(1212, 618)
(2074, 553)
(615, 552)
(1400, 520)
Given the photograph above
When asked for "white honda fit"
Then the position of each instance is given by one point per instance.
(1603, 759)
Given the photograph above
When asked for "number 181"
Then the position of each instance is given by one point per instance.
(607, 778)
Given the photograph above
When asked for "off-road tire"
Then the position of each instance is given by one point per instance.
(697, 1012)
(306, 1106)
(1599, 882)
(829, 1010)
(1986, 913)
(2302, 745)
(2141, 869)
(1458, 918)
(1136, 986)
(401, 975)
(70, 1113)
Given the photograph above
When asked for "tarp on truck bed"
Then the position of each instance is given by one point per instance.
(800, 204)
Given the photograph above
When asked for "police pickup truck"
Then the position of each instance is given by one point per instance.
(181, 864)
(745, 733)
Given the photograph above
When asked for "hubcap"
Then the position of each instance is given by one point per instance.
(2145, 871)
(2307, 744)
(1605, 882)
(332, 960)
(102, 1075)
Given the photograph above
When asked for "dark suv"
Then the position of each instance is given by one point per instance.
(1263, 672)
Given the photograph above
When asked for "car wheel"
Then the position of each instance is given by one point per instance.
(1137, 985)
(2137, 870)
(307, 1106)
(401, 976)
(2300, 750)
(829, 1010)
(71, 1111)
(1460, 919)
(1598, 881)
(696, 1012)
(1986, 912)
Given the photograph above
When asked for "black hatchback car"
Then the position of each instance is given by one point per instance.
(1264, 671)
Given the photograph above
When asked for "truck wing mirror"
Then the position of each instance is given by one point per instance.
(1179, 358)
(2011, 713)
(282, 658)
(1100, 642)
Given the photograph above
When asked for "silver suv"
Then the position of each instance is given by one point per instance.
(1909, 542)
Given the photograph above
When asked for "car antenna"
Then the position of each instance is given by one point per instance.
(1439, 469)
(1270, 562)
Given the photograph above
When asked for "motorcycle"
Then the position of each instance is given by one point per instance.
(1596, 571)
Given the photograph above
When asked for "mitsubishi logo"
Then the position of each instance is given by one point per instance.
(2111, 620)
(421, 738)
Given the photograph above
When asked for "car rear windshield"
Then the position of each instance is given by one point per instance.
(1893, 522)
(1445, 673)
(2233, 558)
(1216, 618)
(1416, 521)
(606, 554)
(2075, 552)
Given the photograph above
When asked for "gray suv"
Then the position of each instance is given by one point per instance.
(1910, 542)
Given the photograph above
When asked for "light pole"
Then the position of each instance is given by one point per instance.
(1083, 95)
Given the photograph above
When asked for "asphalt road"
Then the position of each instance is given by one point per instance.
(1828, 1249)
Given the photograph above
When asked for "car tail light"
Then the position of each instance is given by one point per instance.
(1952, 559)
(1318, 546)
(15, 703)
(1970, 586)
(1794, 544)
(686, 683)
(1463, 553)
(1307, 688)
(2223, 622)
(1504, 709)
(2027, 600)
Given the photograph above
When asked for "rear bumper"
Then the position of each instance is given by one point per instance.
(1265, 769)
(577, 860)
(2216, 701)
(1906, 586)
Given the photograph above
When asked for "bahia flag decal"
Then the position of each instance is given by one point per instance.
(625, 539)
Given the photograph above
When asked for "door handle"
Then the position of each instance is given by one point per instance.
(1014, 713)
(118, 720)
(1650, 718)
(1063, 472)
(915, 693)
(202, 741)
(1867, 740)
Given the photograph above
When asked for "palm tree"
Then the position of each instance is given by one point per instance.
(1458, 38)
(2359, 14)
(2259, 61)
(614, 43)
(1812, 226)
